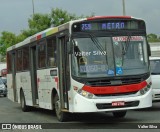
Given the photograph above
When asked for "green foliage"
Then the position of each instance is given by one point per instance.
(153, 38)
(59, 16)
(7, 39)
(21, 37)
(39, 22)
(28, 32)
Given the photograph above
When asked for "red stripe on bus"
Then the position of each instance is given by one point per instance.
(115, 89)
(38, 81)
(109, 17)
(56, 79)
(39, 37)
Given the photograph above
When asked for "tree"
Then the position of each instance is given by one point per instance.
(153, 38)
(20, 37)
(39, 22)
(7, 39)
(59, 16)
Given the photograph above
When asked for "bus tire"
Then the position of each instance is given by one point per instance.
(61, 116)
(24, 107)
(119, 114)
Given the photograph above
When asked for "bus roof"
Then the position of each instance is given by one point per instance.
(54, 30)
(112, 17)
(42, 34)
(35, 37)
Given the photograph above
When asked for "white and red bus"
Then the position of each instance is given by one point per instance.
(96, 64)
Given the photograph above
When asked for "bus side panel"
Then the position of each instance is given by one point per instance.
(45, 85)
(10, 87)
(19, 85)
(24, 81)
(42, 84)
(52, 83)
(72, 94)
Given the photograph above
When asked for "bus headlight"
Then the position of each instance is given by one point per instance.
(145, 89)
(85, 94)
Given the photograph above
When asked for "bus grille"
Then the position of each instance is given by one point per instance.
(116, 94)
(124, 81)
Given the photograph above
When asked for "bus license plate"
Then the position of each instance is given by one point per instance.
(118, 103)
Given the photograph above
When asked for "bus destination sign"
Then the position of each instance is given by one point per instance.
(108, 25)
(103, 26)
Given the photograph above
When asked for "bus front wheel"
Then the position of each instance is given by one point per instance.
(24, 107)
(119, 114)
(61, 116)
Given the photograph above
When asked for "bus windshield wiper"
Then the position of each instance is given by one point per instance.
(125, 47)
(96, 42)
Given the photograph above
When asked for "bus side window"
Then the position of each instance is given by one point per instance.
(42, 54)
(9, 62)
(51, 52)
(26, 58)
(19, 60)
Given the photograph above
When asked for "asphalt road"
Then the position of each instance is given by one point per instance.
(10, 112)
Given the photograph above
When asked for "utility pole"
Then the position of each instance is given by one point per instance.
(33, 6)
(124, 10)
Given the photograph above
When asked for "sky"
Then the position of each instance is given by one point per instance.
(14, 14)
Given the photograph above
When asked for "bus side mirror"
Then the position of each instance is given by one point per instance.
(69, 47)
(149, 49)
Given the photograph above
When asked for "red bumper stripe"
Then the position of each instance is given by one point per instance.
(115, 89)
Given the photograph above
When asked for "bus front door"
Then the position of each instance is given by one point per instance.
(34, 75)
(63, 66)
(14, 77)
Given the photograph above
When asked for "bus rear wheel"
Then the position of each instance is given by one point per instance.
(119, 114)
(24, 107)
(61, 116)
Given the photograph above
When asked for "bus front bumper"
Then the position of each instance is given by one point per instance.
(82, 104)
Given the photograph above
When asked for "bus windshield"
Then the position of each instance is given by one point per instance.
(109, 56)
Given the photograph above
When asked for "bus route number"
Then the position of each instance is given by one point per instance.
(86, 27)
